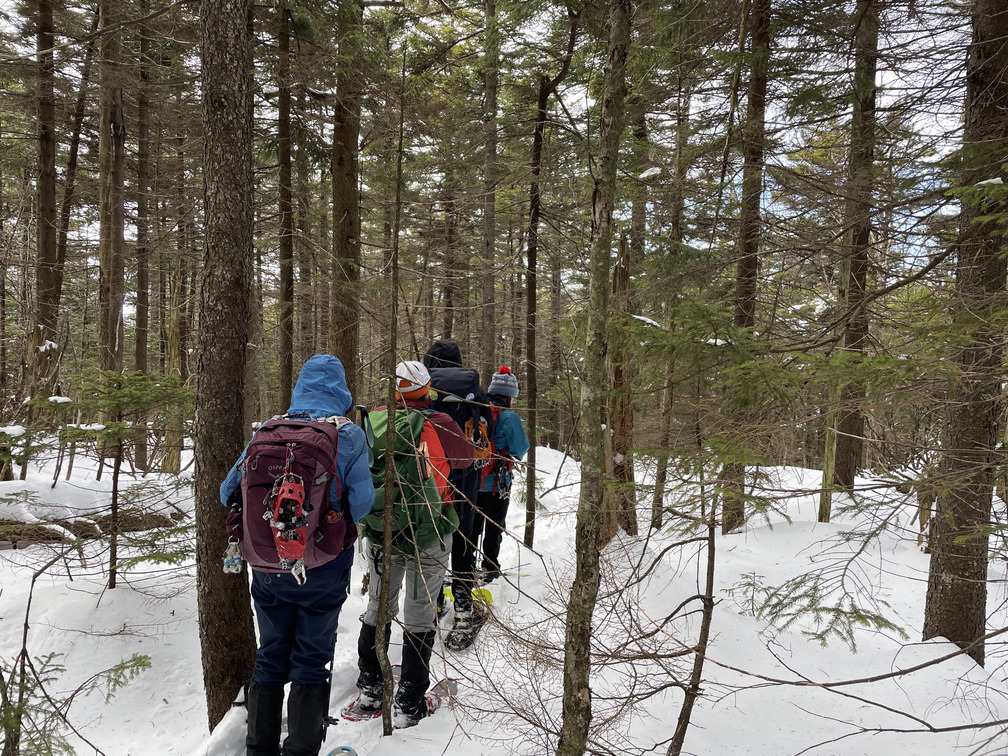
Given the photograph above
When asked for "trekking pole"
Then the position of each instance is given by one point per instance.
(328, 719)
(364, 421)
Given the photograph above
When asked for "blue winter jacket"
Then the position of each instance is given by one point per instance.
(321, 391)
(509, 435)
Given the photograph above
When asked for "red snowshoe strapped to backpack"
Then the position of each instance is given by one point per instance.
(287, 522)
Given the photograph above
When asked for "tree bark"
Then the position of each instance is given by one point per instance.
(531, 273)
(70, 177)
(4, 470)
(639, 202)
(678, 206)
(304, 250)
(860, 190)
(577, 703)
(227, 638)
(556, 407)
(956, 605)
(750, 228)
(142, 226)
(546, 88)
(47, 297)
(623, 495)
(112, 149)
(176, 357)
(344, 323)
(491, 74)
(285, 207)
(450, 262)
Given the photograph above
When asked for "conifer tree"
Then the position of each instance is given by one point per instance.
(227, 639)
(956, 605)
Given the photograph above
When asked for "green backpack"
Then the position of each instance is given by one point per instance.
(420, 517)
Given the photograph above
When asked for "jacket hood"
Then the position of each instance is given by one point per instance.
(443, 353)
(321, 389)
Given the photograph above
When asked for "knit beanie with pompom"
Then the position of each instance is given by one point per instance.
(504, 383)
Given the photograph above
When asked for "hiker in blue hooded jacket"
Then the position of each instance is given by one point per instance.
(297, 618)
(510, 443)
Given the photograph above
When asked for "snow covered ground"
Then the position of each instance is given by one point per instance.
(763, 690)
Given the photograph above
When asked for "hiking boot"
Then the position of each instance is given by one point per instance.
(488, 576)
(401, 719)
(369, 701)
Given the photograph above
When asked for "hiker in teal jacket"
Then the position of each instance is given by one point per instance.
(510, 443)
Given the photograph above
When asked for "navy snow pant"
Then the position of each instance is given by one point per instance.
(297, 623)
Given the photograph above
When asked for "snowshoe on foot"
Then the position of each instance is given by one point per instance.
(362, 708)
(402, 719)
(467, 626)
(368, 705)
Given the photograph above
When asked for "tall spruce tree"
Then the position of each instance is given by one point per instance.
(956, 606)
(227, 638)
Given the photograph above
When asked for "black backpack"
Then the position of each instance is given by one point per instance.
(456, 391)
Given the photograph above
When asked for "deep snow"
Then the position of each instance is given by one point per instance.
(511, 679)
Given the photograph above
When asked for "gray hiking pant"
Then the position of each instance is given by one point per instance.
(423, 579)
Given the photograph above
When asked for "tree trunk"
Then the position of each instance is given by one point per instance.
(304, 250)
(639, 202)
(750, 228)
(956, 605)
(678, 205)
(623, 495)
(829, 454)
(112, 150)
(555, 406)
(70, 177)
(450, 262)
(344, 323)
(47, 297)
(531, 389)
(491, 74)
(322, 283)
(546, 88)
(577, 703)
(175, 351)
(381, 640)
(227, 638)
(142, 228)
(162, 268)
(285, 206)
(3, 305)
(860, 190)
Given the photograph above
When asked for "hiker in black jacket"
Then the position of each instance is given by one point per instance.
(441, 358)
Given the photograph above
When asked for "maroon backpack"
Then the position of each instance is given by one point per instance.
(288, 473)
